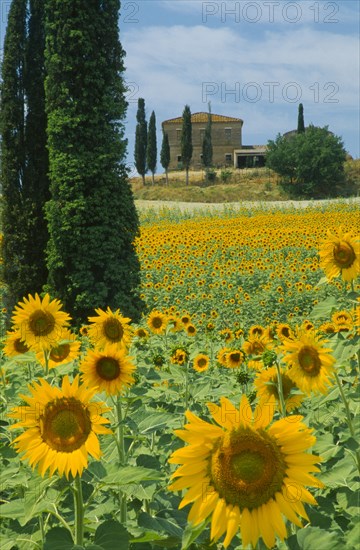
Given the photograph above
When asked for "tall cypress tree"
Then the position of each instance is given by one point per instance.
(165, 155)
(141, 139)
(12, 126)
(186, 141)
(92, 218)
(207, 149)
(301, 124)
(36, 187)
(151, 148)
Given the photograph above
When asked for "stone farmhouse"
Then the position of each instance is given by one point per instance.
(226, 135)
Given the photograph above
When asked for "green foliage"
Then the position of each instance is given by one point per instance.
(225, 175)
(151, 148)
(141, 139)
(310, 164)
(91, 214)
(301, 124)
(23, 153)
(186, 141)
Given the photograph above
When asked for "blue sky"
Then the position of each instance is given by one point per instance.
(256, 60)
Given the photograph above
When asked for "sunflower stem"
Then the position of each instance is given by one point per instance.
(348, 416)
(79, 511)
(122, 457)
(280, 390)
(46, 359)
(186, 386)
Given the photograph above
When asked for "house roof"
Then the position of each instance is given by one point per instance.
(203, 117)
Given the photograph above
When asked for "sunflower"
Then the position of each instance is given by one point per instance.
(256, 345)
(256, 330)
(284, 331)
(141, 332)
(110, 369)
(221, 356)
(239, 333)
(227, 334)
(340, 255)
(185, 319)
(157, 322)
(234, 358)
(267, 388)
(244, 472)
(307, 325)
(328, 328)
(190, 329)
(39, 322)
(14, 345)
(310, 364)
(175, 323)
(65, 351)
(343, 321)
(61, 427)
(109, 327)
(201, 362)
(179, 356)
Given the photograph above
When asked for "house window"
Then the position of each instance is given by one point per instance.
(202, 134)
(228, 158)
(228, 134)
(179, 158)
(178, 135)
(201, 156)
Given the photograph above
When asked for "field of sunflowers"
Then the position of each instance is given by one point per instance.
(227, 418)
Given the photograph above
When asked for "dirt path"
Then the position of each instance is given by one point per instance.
(186, 206)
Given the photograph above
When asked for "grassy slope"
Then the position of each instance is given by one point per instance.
(249, 184)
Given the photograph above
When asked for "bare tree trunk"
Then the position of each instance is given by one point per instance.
(167, 177)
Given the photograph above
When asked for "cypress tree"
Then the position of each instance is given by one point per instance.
(165, 155)
(141, 139)
(92, 218)
(186, 140)
(12, 125)
(36, 188)
(207, 149)
(301, 125)
(151, 148)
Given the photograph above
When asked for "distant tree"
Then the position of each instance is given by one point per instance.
(310, 164)
(207, 148)
(141, 139)
(186, 141)
(301, 124)
(151, 148)
(165, 155)
(12, 126)
(92, 217)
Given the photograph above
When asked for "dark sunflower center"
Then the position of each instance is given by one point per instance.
(65, 424)
(191, 329)
(258, 331)
(247, 468)
(257, 347)
(287, 386)
(60, 353)
(41, 323)
(344, 255)
(309, 360)
(157, 322)
(108, 368)
(20, 346)
(113, 330)
(235, 357)
(285, 332)
(202, 362)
